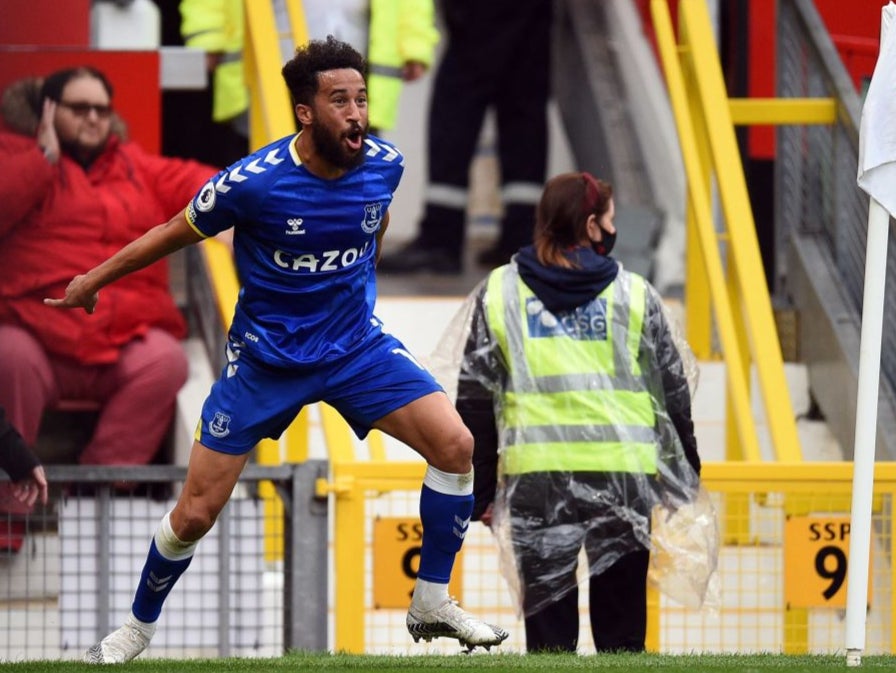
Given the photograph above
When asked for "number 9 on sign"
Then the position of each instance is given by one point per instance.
(816, 561)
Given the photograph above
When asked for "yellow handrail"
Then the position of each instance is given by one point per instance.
(218, 261)
(748, 279)
(705, 118)
(270, 109)
(699, 205)
(777, 111)
(297, 24)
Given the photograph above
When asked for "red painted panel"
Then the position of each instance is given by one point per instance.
(855, 29)
(761, 75)
(134, 76)
(45, 22)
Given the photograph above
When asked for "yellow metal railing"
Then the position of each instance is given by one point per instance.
(755, 611)
(270, 109)
(724, 268)
(352, 483)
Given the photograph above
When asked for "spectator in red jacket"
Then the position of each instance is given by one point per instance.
(73, 191)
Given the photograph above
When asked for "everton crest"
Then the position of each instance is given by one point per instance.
(220, 425)
(373, 215)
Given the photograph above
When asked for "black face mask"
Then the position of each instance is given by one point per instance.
(605, 245)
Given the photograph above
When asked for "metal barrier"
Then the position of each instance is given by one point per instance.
(782, 580)
(822, 220)
(74, 579)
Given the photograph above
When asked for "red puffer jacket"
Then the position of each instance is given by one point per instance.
(57, 221)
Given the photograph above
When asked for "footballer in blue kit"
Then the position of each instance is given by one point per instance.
(305, 249)
(308, 214)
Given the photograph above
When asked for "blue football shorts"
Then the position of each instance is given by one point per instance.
(252, 400)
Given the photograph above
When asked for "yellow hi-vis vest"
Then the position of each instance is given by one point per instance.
(400, 31)
(575, 398)
(217, 27)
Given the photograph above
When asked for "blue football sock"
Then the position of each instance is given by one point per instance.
(156, 581)
(445, 519)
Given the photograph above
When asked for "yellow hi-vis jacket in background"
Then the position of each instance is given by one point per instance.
(552, 415)
(217, 26)
(401, 31)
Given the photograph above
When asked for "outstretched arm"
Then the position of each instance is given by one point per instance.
(83, 291)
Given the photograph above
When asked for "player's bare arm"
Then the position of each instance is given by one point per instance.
(162, 240)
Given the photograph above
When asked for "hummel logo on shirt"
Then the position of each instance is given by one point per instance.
(295, 226)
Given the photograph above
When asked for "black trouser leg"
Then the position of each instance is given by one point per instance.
(617, 603)
(521, 102)
(457, 110)
(556, 628)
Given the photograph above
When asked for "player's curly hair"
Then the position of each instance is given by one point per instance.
(301, 71)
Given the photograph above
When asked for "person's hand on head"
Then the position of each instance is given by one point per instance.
(78, 294)
(47, 139)
(31, 488)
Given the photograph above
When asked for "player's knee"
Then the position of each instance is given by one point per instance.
(456, 453)
(191, 520)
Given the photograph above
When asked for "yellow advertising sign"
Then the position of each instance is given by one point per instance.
(816, 551)
(396, 559)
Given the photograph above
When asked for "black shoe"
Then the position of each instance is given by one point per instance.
(415, 256)
(494, 256)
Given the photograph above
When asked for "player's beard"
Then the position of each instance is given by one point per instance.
(329, 146)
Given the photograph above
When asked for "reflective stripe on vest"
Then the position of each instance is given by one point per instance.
(573, 401)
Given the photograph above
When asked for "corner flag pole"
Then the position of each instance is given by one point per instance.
(865, 432)
(877, 176)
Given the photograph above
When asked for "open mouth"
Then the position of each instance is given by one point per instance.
(354, 140)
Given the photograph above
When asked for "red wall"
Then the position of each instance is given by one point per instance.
(855, 29)
(45, 22)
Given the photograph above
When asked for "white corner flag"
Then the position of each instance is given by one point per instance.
(877, 176)
(877, 134)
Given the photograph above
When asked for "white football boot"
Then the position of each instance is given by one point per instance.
(122, 644)
(450, 621)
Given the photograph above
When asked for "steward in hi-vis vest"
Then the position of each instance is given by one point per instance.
(576, 389)
(551, 393)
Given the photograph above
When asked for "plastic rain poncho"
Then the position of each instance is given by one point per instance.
(576, 448)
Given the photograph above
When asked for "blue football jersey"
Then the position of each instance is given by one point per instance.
(304, 248)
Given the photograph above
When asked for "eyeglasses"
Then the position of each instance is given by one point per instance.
(84, 109)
